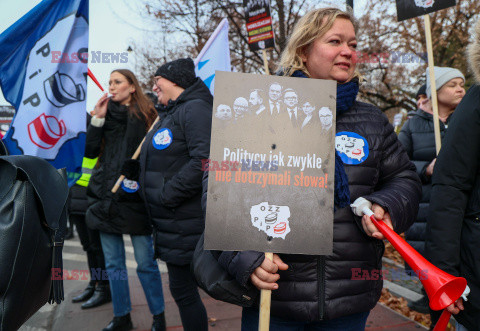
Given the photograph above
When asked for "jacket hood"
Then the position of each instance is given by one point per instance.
(197, 91)
(473, 53)
(423, 114)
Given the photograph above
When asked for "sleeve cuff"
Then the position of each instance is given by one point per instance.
(98, 122)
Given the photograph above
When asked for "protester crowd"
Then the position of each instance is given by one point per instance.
(161, 200)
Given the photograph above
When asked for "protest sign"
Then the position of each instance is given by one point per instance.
(412, 8)
(272, 164)
(259, 24)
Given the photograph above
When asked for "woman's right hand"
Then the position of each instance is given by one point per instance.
(100, 110)
(265, 276)
(429, 170)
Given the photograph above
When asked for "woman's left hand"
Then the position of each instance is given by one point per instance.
(456, 307)
(371, 229)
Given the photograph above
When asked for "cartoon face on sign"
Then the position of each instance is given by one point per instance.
(162, 138)
(271, 219)
(352, 148)
(424, 3)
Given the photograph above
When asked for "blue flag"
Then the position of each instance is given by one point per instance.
(215, 55)
(43, 68)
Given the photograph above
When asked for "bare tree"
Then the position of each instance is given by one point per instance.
(393, 56)
(193, 21)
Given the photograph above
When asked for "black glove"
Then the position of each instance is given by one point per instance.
(131, 169)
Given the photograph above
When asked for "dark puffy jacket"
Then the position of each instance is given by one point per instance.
(77, 198)
(115, 141)
(453, 228)
(321, 287)
(418, 138)
(171, 176)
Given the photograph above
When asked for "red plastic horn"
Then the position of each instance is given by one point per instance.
(90, 74)
(442, 288)
(442, 321)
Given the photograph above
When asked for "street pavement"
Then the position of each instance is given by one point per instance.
(222, 316)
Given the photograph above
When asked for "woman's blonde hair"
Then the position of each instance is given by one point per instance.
(310, 27)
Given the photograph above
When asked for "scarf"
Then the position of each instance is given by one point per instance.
(117, 112)
(346, 96)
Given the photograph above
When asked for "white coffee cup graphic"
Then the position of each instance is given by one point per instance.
(45, 131)
(61, 90)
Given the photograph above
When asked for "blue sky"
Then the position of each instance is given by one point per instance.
(114, 24)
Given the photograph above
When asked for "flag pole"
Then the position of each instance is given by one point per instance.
(433, 86)
(210, 40)
(134, 157)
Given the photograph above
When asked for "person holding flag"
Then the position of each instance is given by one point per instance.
(115, 131)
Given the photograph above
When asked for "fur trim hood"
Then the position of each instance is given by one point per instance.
(473, 53)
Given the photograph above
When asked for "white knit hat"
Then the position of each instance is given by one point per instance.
(442, 76)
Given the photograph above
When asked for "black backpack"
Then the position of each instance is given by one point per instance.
(33, 200)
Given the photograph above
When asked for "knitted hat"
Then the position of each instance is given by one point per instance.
(180, 72)
(421, 91)
(442, 76)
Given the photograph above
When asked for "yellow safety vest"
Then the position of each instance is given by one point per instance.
(87, 167)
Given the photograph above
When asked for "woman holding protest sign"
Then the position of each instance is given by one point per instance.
(324, 292)
(115, 131)
(171, 179)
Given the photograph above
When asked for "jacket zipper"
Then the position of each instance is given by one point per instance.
(321, 285)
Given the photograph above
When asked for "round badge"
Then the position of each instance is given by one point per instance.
(162, 138)
(130, 186)
(352, 147)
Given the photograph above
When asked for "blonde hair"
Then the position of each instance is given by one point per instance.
(310, 27)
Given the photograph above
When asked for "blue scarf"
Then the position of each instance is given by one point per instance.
(346, 96)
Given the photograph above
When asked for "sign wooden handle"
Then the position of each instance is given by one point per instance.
(433, 86)
(265, 301)
(134, 157)
(265, 61)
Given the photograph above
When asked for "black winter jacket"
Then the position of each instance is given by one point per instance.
(418, 138)
(116, 141)
(171, 175)
(453, 228)
(77, 200)
(321, 287)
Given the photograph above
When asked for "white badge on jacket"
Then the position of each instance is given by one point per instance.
(162, 138)
(352, 147)
(130, 186)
